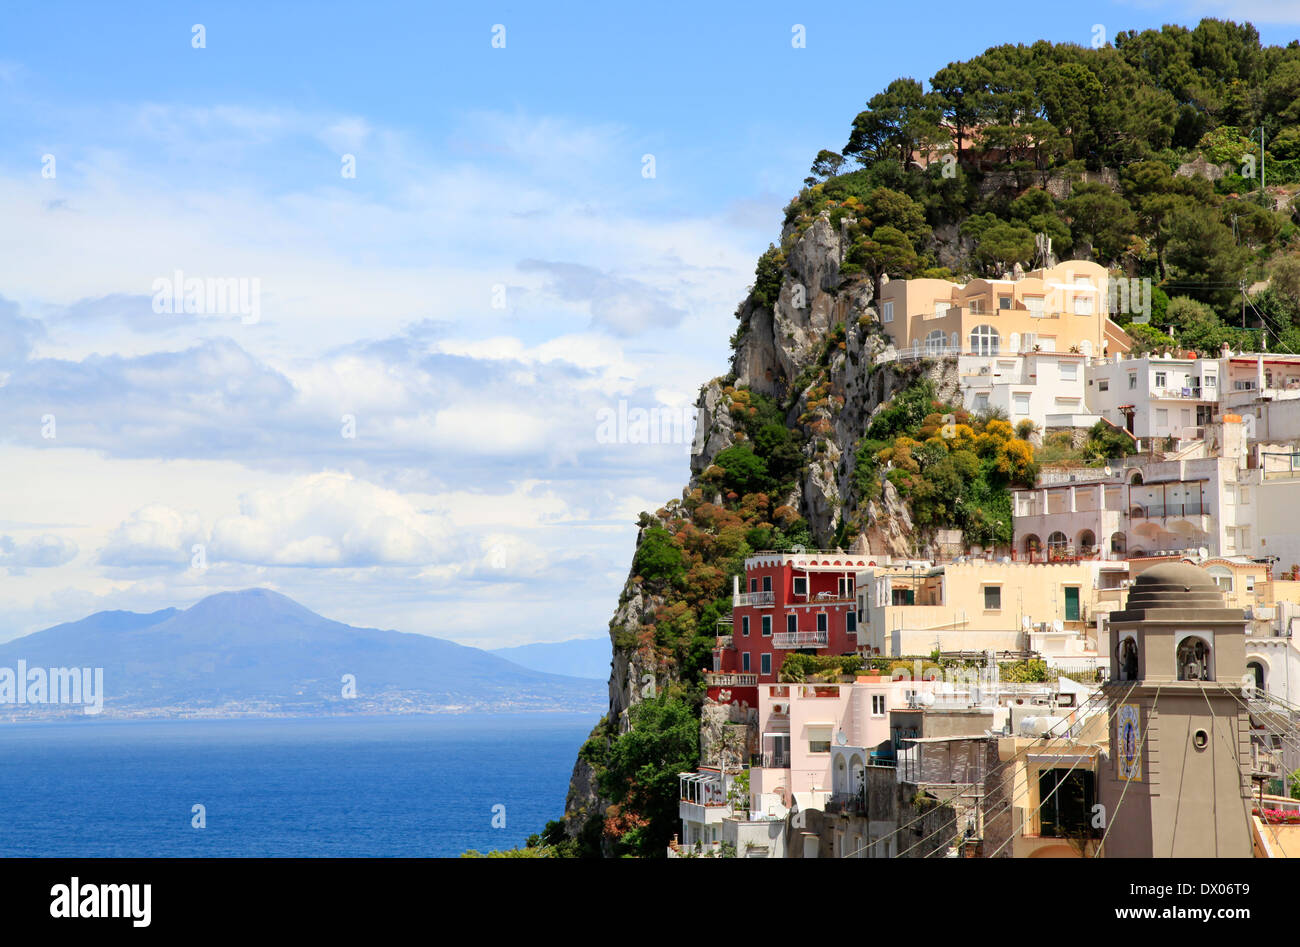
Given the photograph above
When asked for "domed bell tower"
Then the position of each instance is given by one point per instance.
(1177, 782)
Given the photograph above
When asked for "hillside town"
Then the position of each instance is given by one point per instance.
(1119, 680)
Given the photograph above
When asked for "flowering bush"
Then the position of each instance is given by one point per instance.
(1278, 816)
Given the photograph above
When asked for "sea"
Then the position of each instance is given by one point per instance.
(398, 786)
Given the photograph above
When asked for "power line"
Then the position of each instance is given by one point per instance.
(1110, 822)
(1078, 710)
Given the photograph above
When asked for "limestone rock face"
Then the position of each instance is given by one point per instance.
(829, 385)
(1200, 166)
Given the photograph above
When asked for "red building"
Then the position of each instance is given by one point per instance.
(790, 602)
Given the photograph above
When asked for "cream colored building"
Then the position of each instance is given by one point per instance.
(1061, 309)
(981, 605)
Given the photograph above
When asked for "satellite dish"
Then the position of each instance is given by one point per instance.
(927, 699)
(841, 738)
(1203, 552)
(1058, 625)
(1109, 472)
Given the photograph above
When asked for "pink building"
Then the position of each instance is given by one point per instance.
(800, 725)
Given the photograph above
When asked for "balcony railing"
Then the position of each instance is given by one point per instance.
(800, 639)
(770, 760)
(848, 803)
(1157, 510)
(741, 599)
(725, 679)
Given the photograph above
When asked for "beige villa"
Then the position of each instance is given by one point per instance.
(1059, 309)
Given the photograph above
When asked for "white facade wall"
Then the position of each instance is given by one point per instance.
(1165, 393)
(1045, 387)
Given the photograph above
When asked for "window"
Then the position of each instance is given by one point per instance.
(1195, 659)
(821, 621)
(1069, 371)
(846, 586)
(941, 309)
(976, 305)
(1103, 384)
(767, 626)
(1222, 577)
(877, 705)
(1004, 302)
(1132, 381)
(744, 626)
(993, 598)
(1035, 306)
(1162, 417)
(1250, 583)
(1021, 403)
(851, 622)
(765, 664)
(934, 342)
(753, 585)
(1210, 381)
(819, 739)
(767, 583)
(1160, 379)
(791, 624)
(984, 340)
(744, 660)
(1067, 797)
(1083, 305)
(887, 312)
(800, 585)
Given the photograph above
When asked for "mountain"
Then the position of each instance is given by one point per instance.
(579, 657)
(260, 651)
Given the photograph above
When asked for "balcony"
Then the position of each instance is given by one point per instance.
(800, 639)
(725, 679)
(1159, 510)
(726, 643)
(847, 803)
(743, 599)
(770, 760)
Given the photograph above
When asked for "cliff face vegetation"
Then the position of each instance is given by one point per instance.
(1128, 155)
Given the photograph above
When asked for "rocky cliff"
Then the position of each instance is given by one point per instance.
(818, 352)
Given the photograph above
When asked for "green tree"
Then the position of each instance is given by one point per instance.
(1102, 218)
(658, 560)
(743, 470)
(899, 121)
(640, 771)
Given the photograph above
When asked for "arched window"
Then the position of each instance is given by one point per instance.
(1057, 544)
(1087, 543)
(1118, 543)
(1128, 659)
(934, 343)
(984, 340)
(1257, 669)
(1136, 479)
(1222, 577)
(1195, 659)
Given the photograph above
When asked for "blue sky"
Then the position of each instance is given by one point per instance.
(498, 273)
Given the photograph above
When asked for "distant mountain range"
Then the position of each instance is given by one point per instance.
(259, 652)
(579, 657)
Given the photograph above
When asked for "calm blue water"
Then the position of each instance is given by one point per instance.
(367, 786)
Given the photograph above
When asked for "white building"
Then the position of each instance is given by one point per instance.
(1045, 387)
(1155, 396)
(1167, 506)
